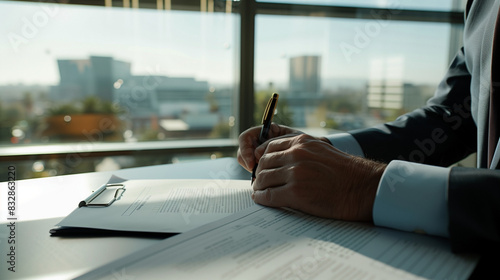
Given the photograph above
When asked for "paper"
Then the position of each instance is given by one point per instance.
(267, 243)
(165, 205)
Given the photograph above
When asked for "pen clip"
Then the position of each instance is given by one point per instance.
(93, 200)
(270, 108)
(266, 112)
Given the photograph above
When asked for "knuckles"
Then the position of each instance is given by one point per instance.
(303, 138)
(294, 173)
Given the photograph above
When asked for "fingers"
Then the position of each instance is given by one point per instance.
(274, 145)
(248, 143)
(278, 130)
(276, 159)
(267, 177)
(273, 197)
(280, 143)
(274, 131)
(243, 161)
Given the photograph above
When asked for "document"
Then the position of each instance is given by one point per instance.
(268, 243)
(166, 206)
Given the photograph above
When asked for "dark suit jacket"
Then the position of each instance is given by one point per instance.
(452, 125)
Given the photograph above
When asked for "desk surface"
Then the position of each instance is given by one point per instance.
(41, 203)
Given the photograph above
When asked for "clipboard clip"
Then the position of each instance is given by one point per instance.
(104, 196)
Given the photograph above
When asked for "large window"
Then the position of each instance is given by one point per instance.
(73, 73)
(344, 74)
(108, 84)
(76, 78)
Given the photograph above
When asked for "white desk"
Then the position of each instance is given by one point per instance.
(41, 203)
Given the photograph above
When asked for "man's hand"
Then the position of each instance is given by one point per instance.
(248, 142)
(308, 174)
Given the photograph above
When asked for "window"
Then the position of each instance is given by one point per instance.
(110, 84)
(114, 74)
(344, 74)
(85, 79)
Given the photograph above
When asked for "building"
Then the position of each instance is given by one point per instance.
(303, 96)
(385, 88)
(152, 102)
(95, 76)
(305, 76)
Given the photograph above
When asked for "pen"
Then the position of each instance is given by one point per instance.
(267, 118)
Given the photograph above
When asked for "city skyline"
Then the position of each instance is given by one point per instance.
(205, 47)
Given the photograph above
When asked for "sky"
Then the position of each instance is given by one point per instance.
(205, 46)
(152, 41)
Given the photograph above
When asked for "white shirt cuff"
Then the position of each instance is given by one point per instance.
(346, 143)
(413, 197)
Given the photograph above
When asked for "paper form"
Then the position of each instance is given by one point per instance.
(267, 243)
(165, 205)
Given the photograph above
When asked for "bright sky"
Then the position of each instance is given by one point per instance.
(160, 43)
(191, 44)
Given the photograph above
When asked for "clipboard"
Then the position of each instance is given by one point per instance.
(154, 208)
(104, 197)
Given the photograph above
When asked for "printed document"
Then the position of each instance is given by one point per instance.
(268, 243)
(169, 206)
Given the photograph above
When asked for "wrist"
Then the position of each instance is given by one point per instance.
(367, 185)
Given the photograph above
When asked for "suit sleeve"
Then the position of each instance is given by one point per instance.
(441, 133)
(474, 209)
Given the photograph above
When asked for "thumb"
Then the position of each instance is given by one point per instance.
(274, 130)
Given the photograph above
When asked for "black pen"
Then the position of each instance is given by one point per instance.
(267, 119)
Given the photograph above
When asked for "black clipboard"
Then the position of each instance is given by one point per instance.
(95, 232)
(104, 197)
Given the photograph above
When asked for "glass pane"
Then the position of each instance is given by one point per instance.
(341, 74)
(442, 5)
(73, 73)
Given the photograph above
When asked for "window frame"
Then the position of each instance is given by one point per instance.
(244, 102)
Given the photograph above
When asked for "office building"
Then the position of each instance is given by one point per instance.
(94, 76)
(305, 87)
(385, 85)
(305, 75)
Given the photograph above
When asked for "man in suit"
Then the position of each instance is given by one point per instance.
(397, 175)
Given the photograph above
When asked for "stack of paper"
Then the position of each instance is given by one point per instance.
(266, 243)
